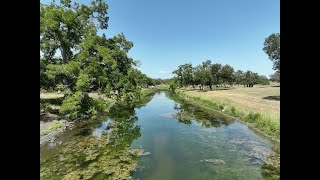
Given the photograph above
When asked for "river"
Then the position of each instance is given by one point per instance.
(162, 138)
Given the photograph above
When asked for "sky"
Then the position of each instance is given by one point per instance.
(168, 33)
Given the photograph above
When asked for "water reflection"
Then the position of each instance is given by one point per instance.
(95, 149)
(101, 149)
(186, 112)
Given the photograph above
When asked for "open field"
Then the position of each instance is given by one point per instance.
(259, 105)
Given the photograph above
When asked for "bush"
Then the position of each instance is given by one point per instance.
(253, 117)
(173, 86)
(79, 104)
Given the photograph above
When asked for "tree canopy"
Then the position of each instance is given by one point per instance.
(207, 74)
(272, 49)
(76, 60)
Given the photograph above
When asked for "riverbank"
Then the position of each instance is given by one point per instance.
(51, 123)
(256, 106)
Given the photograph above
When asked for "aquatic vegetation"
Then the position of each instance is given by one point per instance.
(214, 161)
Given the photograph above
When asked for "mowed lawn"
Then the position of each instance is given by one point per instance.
(257, 99)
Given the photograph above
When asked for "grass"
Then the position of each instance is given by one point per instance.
(51, 128)
(162, 86)
(51, 95)
(249, 104)
(55, 126)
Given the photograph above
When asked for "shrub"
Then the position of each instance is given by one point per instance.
(253, 117)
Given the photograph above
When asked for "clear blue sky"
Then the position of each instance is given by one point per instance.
(168, 33)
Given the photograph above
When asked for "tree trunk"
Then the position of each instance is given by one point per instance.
(63, 49)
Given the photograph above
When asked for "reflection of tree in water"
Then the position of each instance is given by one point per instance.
(125, 130)
(85, 156)
(186, 112)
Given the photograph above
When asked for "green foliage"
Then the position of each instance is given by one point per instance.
(253, 117)
(239, 77)
(80, 104)
(263, 80)
(88, 62)
(275, 77)
(173, 86)
(233, 112)
(216, 73)
(227, 74)
(251, 78)
(72, 105)
(184, 74)
(207, 74)
(272, 49)
(83, 82)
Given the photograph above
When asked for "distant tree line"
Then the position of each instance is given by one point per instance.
(215, 75)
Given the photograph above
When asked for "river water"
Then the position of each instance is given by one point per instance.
(163, 138)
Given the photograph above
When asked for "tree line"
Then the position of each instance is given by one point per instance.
(215, 75)
(218, 75)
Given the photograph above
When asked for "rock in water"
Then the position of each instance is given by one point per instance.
(214, 161)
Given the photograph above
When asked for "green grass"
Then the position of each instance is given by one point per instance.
(162, 86)
(266, 122)
(55, 126)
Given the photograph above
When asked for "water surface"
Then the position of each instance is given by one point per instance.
(184, 142)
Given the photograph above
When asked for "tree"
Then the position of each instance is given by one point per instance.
(87, 62)
(275, 77)
(239, 77)
(251, 78)
(63, 26)
(206, 76)
(216, 73)
(263, 80)
(173, 85)
(184, 74)
(272, 49)
(227, 74)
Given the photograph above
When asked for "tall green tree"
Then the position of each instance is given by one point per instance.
(272, 49)
(251, 78)
(86, 62)
(216, 73)
(184, 74)
(239, 77)
(227, 74)
(275, 77)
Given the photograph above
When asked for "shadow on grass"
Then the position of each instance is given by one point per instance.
(276, 86)
(55, 101)
(276, 98)
(47, 117)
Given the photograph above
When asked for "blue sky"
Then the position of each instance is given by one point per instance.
(168, 33)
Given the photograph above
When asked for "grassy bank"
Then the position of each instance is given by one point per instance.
(259, 106)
